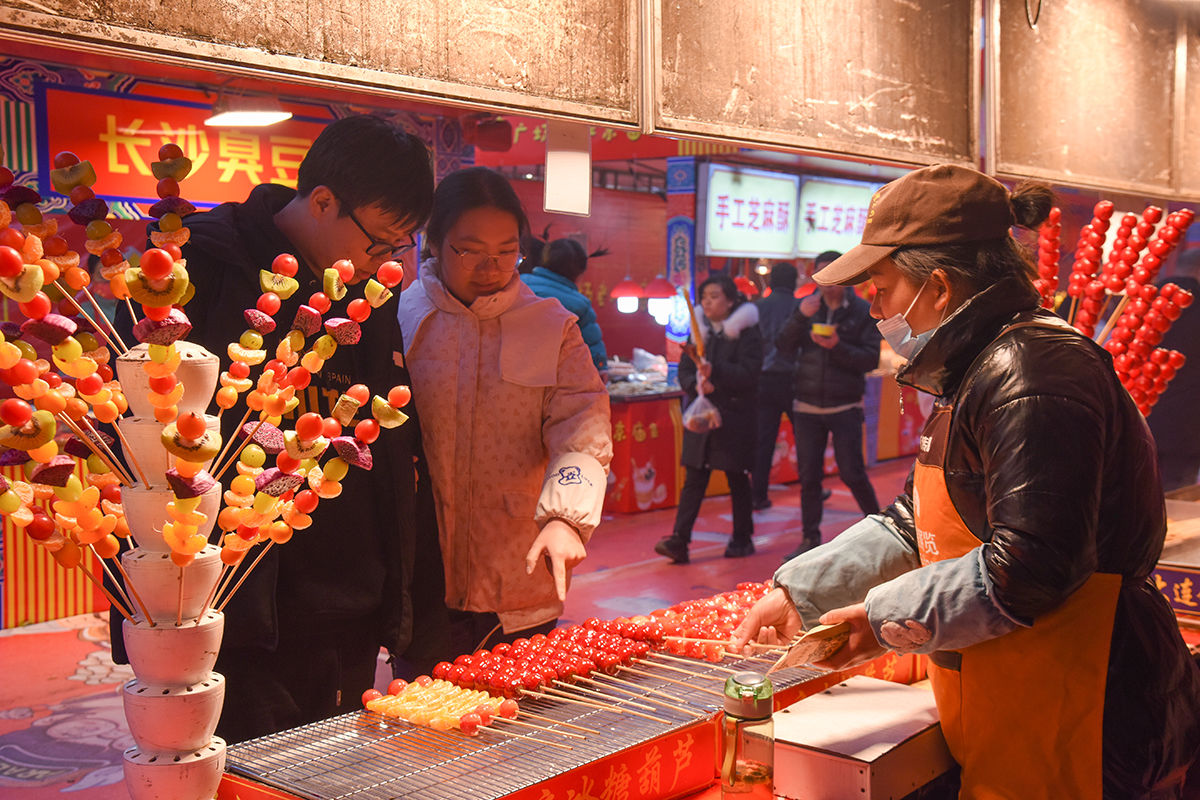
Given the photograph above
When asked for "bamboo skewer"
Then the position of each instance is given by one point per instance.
(1112, 320)
(107, 594)
(101, 315)
(219, 464)
(116, 584)
(525, 737)
(565, 698)
(1071, 313)
(657, 691)
(132, 313)
(686, 661)
(543, 718)
(246, 574)
(71, 299)
(179, 611)
(704, 689)
(564, 686)
(75, 429)
(537, 727)
(756, 645)
(132, 590)
(644, 695)
(132, 458)
(216, 584)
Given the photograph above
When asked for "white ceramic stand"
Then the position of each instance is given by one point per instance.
(175, 702)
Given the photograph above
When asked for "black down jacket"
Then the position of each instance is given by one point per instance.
(1049, 462)
(735, 353)
(833, 377)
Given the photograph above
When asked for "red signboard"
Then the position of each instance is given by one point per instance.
(120, 135)
(647, 436)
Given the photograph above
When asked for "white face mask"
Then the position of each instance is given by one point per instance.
(897, 332)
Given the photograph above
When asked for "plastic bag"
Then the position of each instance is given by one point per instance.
(701, 416)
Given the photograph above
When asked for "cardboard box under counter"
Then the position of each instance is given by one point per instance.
(864, 738)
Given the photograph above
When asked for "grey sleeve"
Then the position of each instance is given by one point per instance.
(841, 572)
(946, 605)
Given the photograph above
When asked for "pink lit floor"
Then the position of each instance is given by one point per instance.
(62, 730)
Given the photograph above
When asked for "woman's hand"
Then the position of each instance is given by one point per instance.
(772, 620)
(559, 544)
(862, 646)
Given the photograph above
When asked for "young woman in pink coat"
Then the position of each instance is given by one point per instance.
(514, 416)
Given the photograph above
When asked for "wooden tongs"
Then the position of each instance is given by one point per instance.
(815, 644)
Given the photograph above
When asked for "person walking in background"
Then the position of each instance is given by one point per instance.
(728, 377)
(836, 344)
(775, 381)
(1173, 421)
(563, 261)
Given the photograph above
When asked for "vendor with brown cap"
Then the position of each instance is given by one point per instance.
(1019, 556)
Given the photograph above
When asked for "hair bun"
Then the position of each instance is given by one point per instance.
(1031, 203)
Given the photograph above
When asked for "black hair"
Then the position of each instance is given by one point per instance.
(974, 266)
(826, 258)
(728, 287)
(566, 257)
(366, 160)
(467, 189)
(784, 276)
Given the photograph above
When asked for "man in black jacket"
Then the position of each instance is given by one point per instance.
(837, 345)
(302, 635)
(775, 380)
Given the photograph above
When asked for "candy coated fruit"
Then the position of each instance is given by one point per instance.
(359, 392)
(191, 426)
(65, 158)
(371, 694)
(319, 301)
(285, 264)
(253, 456)
(156, 263)
(309, 426)
(268, 303)
(399, 396)
(358, 310)
(397, 686)
(168, 151)
(15, 412)
(390, 273)
(11, 262)
(366, 431)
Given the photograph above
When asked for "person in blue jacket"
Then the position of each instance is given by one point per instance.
(563, 261)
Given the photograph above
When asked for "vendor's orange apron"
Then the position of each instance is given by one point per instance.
(1024, 714)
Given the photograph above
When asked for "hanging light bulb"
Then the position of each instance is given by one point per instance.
(661, 296)
(626, 293)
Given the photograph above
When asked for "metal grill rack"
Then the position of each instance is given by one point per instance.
(366, 756)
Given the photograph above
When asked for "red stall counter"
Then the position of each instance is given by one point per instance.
(647, 434)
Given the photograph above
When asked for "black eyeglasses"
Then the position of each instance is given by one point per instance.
(476, 259)
(378, 247)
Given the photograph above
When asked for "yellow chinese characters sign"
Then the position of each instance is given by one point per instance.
(120, 134)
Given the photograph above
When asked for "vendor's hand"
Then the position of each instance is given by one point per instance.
(862, 646)
(772, 620)
(811, 304)
(828, 342)
(706, 386)
(559, 544)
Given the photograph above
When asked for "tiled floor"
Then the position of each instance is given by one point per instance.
(62, 729)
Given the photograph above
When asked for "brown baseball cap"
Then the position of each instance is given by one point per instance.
(943, 204)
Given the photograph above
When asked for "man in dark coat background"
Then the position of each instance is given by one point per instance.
(775, 381)
(836, 344)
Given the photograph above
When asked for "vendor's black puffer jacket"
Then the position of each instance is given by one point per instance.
(1050, 463)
